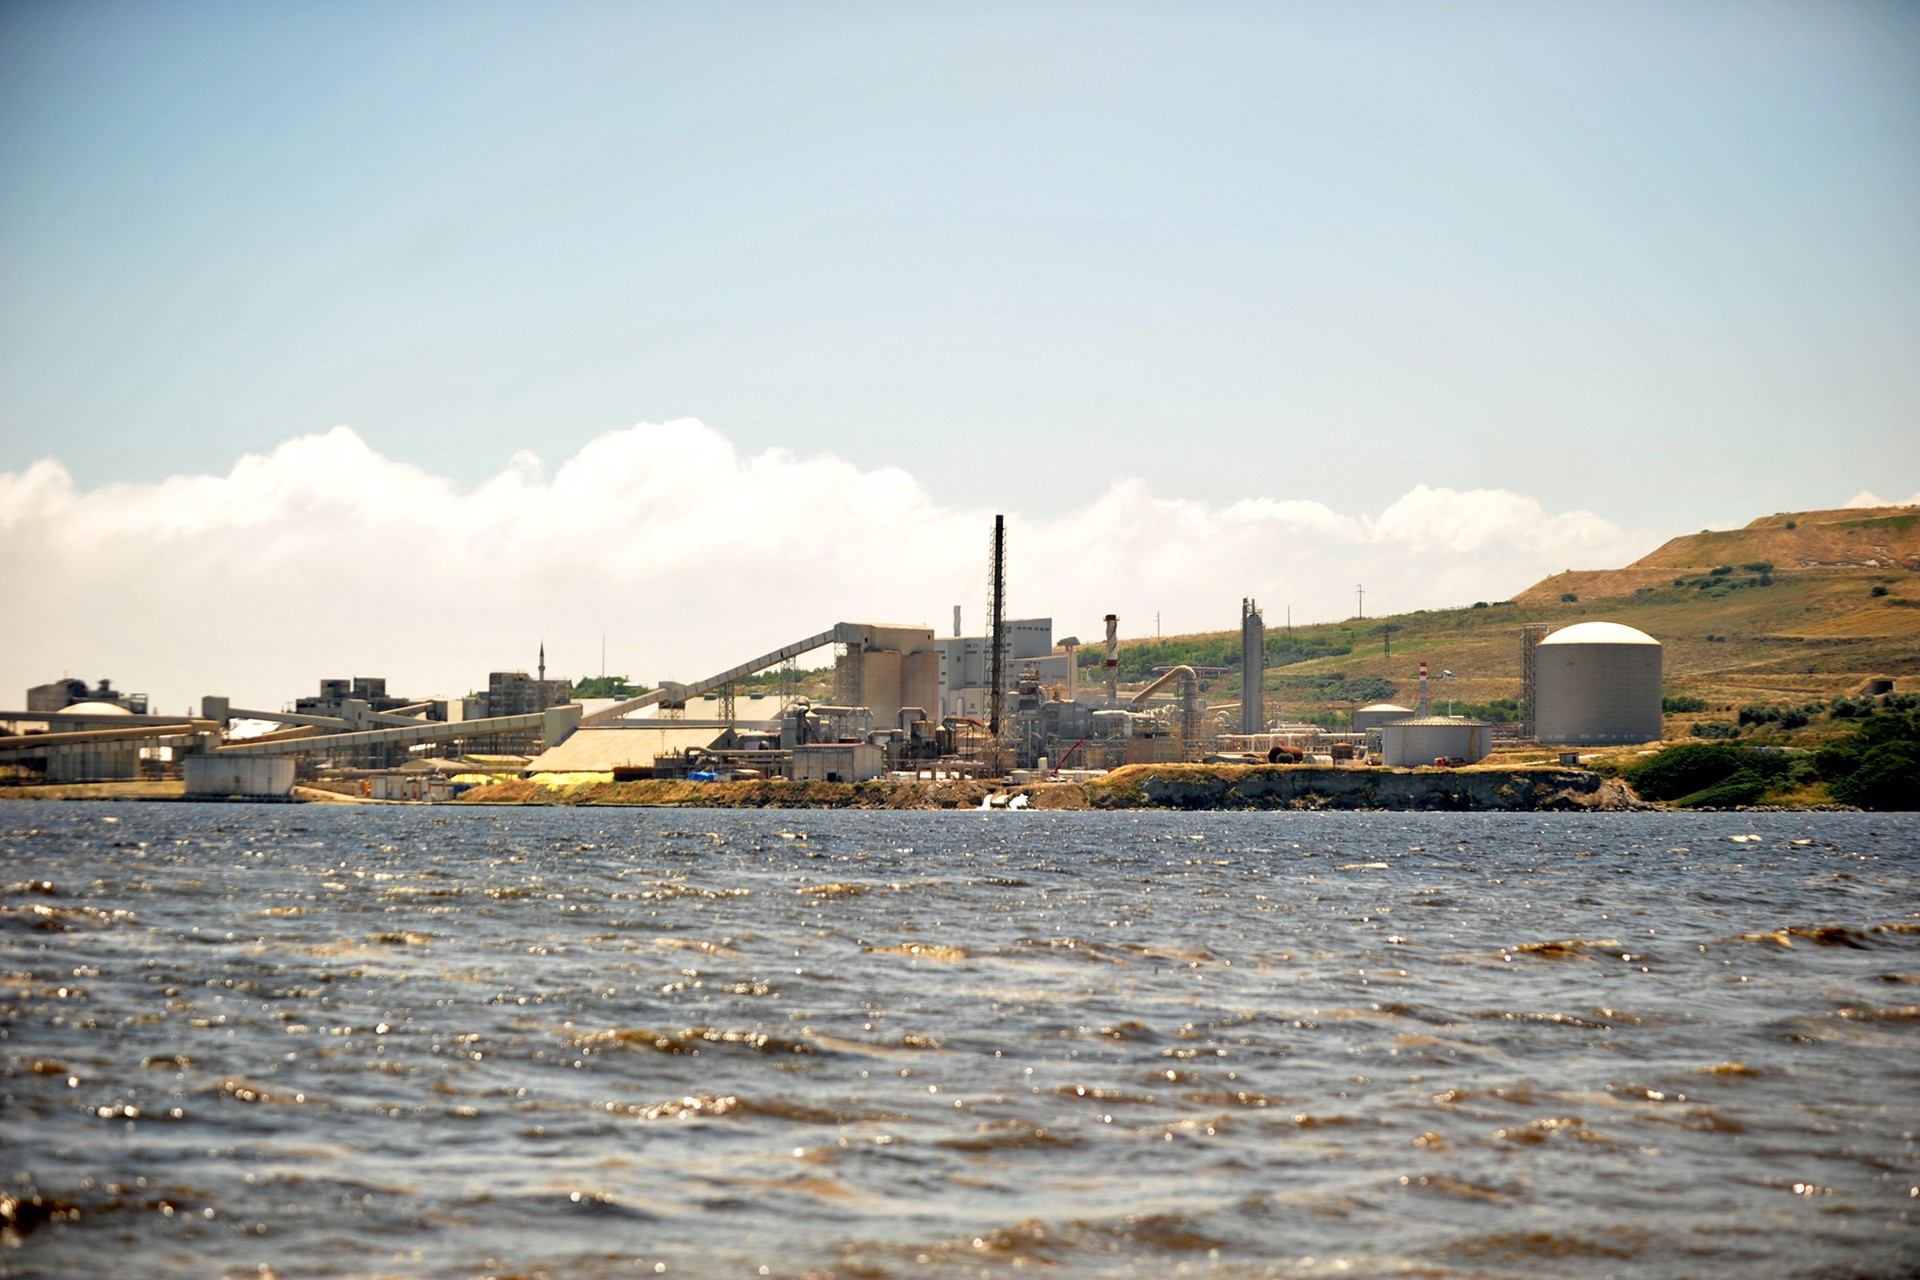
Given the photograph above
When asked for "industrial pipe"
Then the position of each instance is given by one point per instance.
(1189, 699)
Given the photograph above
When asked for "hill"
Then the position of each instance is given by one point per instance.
(1791, 609)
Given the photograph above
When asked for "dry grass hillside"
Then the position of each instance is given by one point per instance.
(1791, 608)
(1873, 540)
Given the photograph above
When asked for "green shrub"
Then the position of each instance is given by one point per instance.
(606, 687)
(1742, 786)
(1714, 729)
(1682, 703)
(1878, 591)
(1683, 769)
(1568, 597)
(1690, 767)
(1888, 777)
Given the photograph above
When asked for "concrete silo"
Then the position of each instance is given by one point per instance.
(1595, 683)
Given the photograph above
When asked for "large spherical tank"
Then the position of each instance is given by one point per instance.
(1597, 682)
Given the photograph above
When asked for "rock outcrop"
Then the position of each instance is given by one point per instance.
(1310, 787)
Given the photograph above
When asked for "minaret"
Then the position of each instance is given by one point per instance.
(543, 666)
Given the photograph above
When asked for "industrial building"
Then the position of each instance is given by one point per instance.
(515, 693)
(337, 698)
(1597, 683)
(885, 668)
(59, 695)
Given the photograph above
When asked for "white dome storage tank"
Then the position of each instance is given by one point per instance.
(1596, 683)
(1379, 713)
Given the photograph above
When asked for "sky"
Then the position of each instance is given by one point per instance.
(395, 339)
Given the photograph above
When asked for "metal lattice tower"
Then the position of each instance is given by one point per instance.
(997, 673)
(1531, 634)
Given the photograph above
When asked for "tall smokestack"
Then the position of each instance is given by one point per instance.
(997, 676)
(1426, 706)
(956, 622)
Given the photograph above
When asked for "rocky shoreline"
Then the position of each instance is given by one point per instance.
(1165, 786)
(1533, 790)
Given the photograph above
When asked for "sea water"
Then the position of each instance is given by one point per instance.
(450, 1042)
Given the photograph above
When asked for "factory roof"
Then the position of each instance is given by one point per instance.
(1457, 722)
(1599, 633)
(600, 750)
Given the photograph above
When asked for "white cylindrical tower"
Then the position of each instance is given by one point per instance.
(1597, 683)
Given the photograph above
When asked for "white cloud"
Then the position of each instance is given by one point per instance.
(325, 558)
(1868, 498)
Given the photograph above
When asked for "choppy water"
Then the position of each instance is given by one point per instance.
(321, 1041)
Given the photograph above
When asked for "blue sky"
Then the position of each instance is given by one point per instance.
(1655, 262)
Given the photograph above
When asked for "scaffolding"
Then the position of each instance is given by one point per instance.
(1531, 634)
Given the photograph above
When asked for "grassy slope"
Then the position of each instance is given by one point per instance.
(1816, 633)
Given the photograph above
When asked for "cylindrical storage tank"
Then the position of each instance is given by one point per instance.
(1597, 682)
(1407, 744)
(1365, 718)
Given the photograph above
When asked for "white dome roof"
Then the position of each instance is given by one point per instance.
(1387, 706)
(1599, 633)
(97, 709)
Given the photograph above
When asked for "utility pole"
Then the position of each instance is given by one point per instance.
(1361, 592)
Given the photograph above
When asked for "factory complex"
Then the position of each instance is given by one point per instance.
(907, 702)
